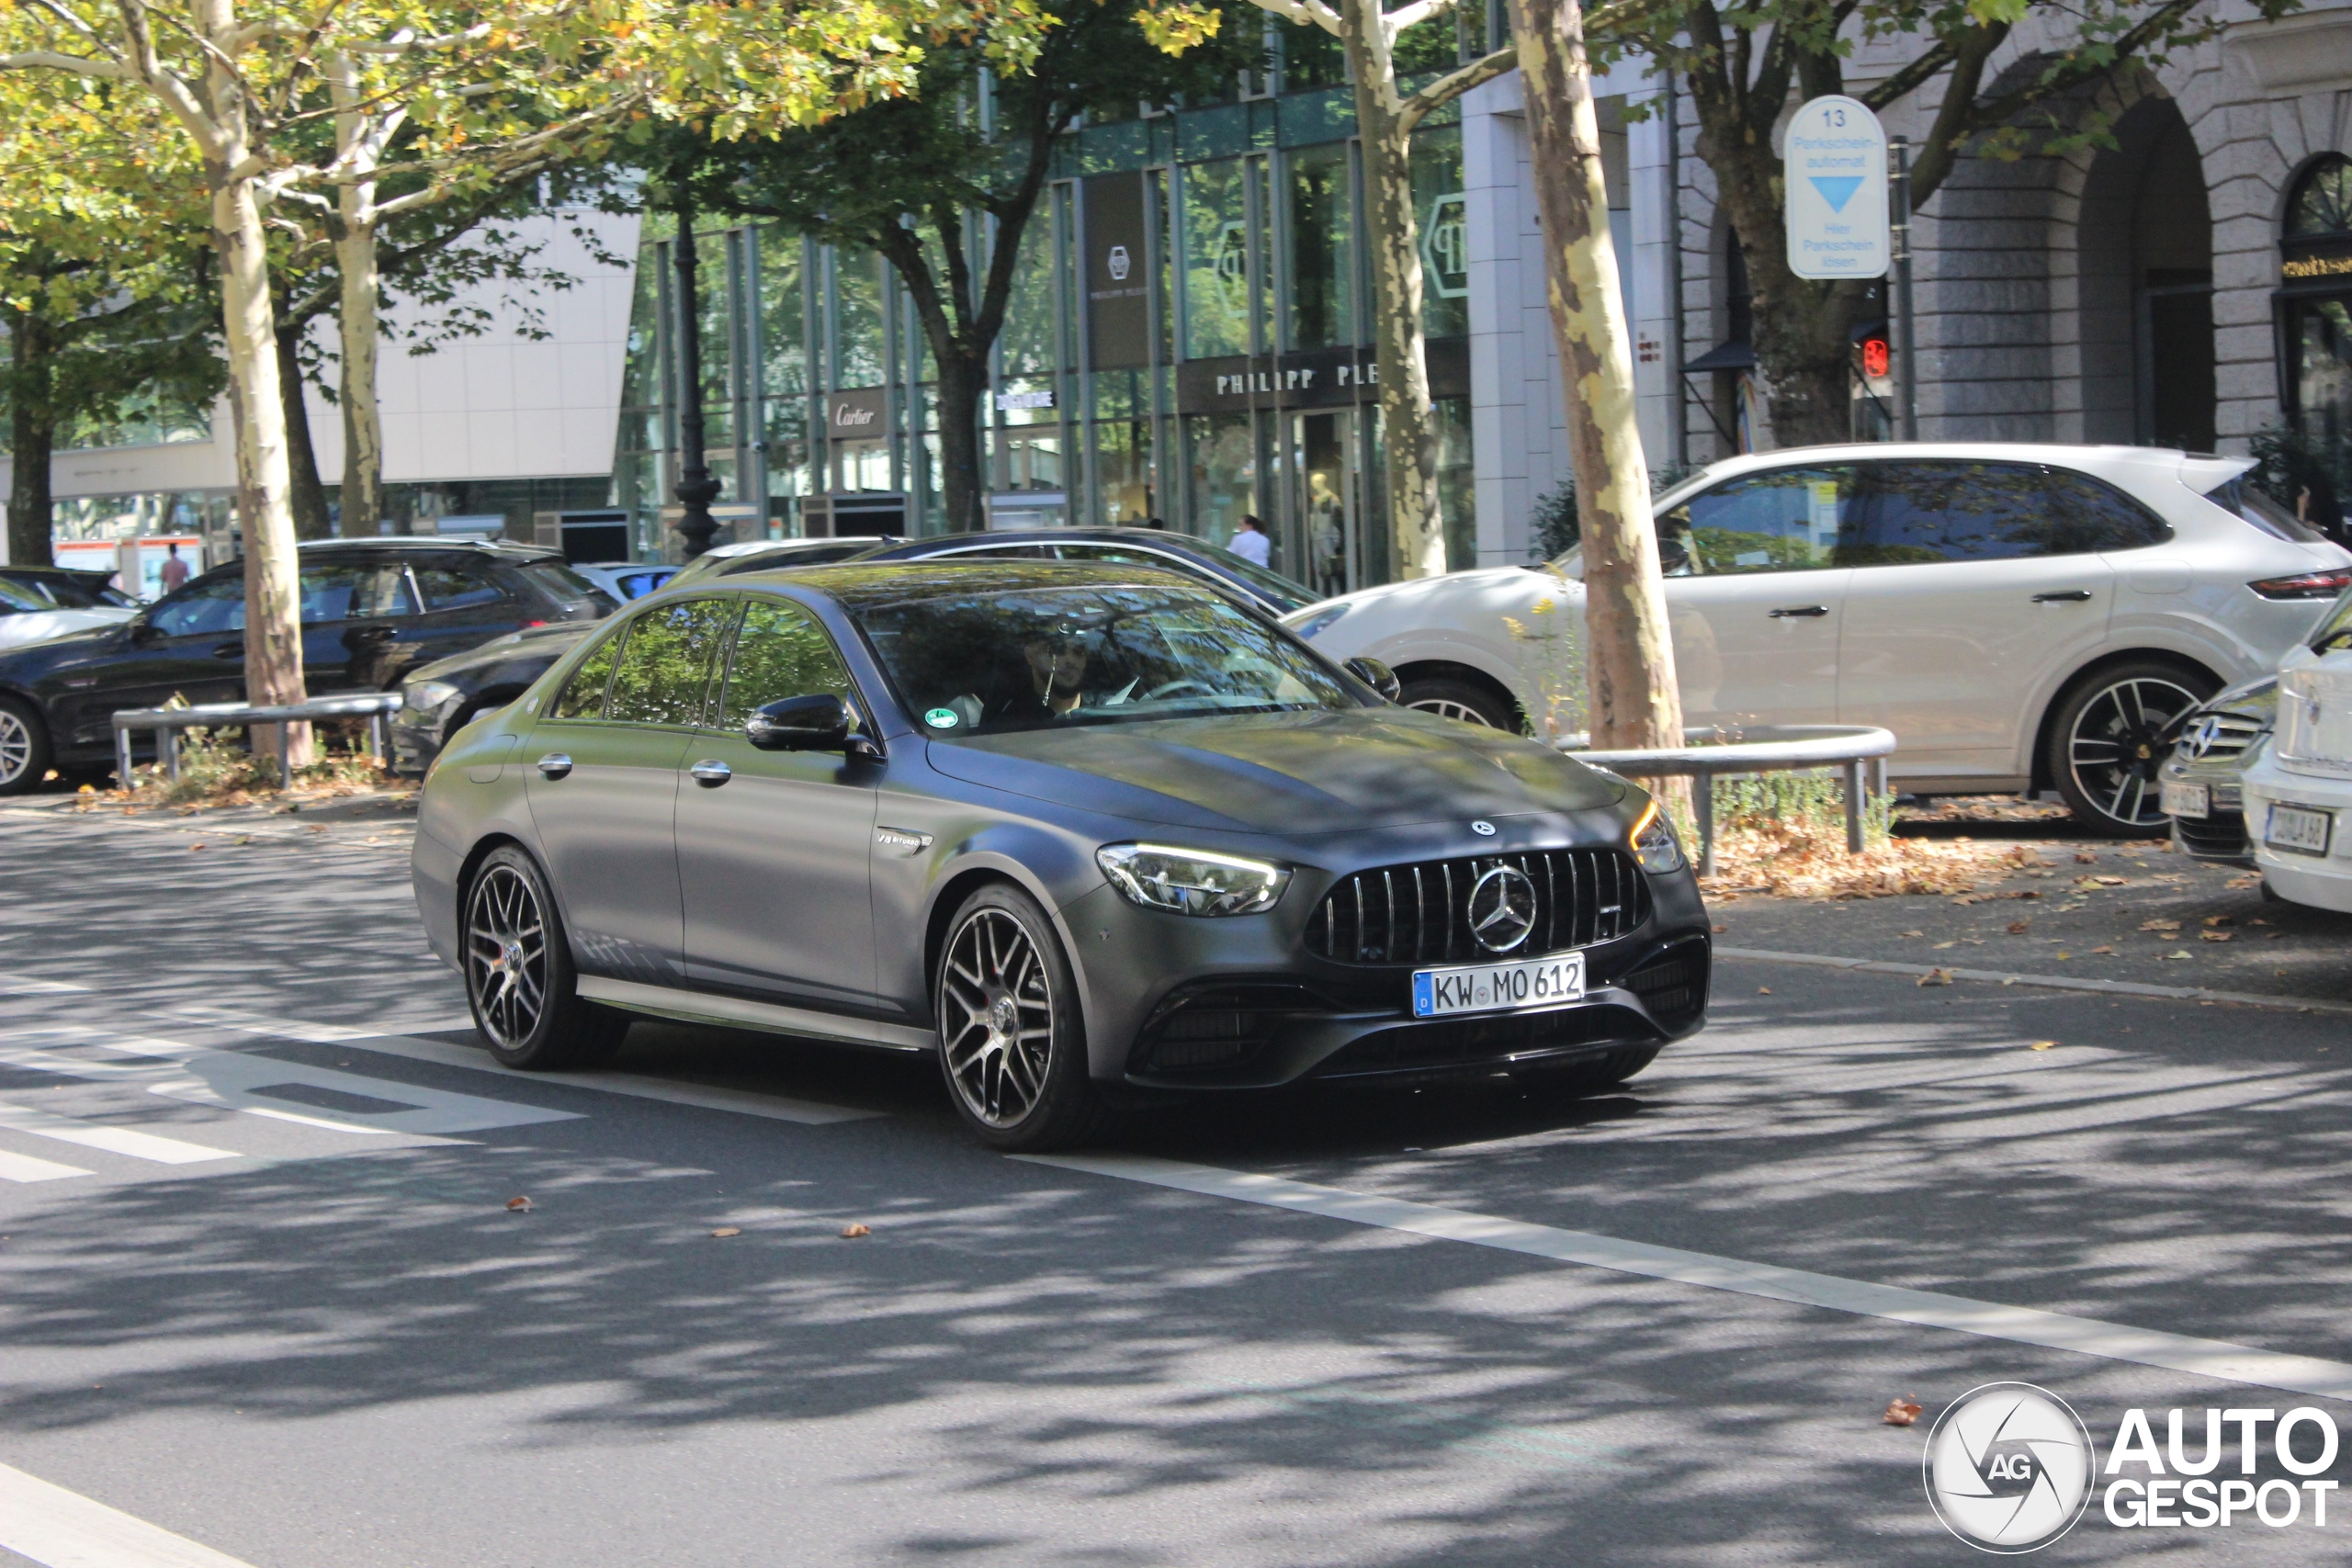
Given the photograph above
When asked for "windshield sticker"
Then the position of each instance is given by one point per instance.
(940, 719)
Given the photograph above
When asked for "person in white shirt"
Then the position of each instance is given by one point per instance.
(1249, 541)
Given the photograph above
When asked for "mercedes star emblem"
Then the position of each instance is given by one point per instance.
(1483, 829)
(1502, 907)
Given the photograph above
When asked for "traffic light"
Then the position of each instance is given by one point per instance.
(1876, 359)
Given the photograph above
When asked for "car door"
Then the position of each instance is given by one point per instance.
(772, 846)
(353, 609)
(1975, 588)
(463, 607)
(1756, 596)
(190, 644)
(601, 777)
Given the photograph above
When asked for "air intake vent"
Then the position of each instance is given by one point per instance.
(1420, 914)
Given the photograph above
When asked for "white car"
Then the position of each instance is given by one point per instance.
(2022, 617)
(2298, 790)
(25, 617)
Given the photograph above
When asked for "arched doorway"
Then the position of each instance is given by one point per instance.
(2145, 234)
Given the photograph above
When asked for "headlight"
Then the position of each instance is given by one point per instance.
(1654, 843)
(426, 696)
(1191, 882)
(1318, 621)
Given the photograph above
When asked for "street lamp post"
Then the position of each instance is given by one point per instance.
(696, 489)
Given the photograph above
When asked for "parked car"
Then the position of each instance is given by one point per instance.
(372, 610)
(1080, 831)
(441, 698)
(27, 617)
(1252, 584)
(2298, 788)
(68, 589)
(627, 580)
(767, 555)
(2022, 617)
(2201, 779)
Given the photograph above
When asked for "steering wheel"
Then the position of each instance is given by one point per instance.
(1178, 688)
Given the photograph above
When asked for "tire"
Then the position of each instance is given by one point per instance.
(1593, 1077)
(1460, 699)
(2108, 734)
(1011, 1043)
(519, 979)
(24, 747)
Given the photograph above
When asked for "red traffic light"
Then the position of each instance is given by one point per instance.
(1875, 358)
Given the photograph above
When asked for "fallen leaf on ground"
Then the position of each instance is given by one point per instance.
(197, 845)
(2257, 920)
(1911, 933)
(520, 1204)
(2214, 936)
(2065, 955)
(2217, 919)
(851, 1232)
(2160, 925)
(1901, 1412)
(2102, 948)
(1941, 945)
(2251, 879)
(2084, 857)
(2112, 881)
(1763, 990)
(725, 1231)
(2182, 953)
(2019, 928)
(1936, 977)
(244, 838)
(1720, 929)
(2273, 936)
(2045, 1045)
(2027, 893)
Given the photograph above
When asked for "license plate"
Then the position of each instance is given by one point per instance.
(1499, 987)
(2185, 799)
(2292, 828)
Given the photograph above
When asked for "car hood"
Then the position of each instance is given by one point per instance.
(549, 643)
(1293, 773)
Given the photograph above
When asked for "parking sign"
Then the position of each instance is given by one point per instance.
(1836, 182)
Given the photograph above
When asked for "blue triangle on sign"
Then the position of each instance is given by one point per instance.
(1837, 189)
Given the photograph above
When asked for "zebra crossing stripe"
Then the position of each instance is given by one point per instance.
(25, 1168)
(128, 1142)
(64, 1529)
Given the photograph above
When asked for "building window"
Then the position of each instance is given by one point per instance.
(2314, 314)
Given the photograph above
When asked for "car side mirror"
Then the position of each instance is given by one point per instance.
(144, 630)
(816, 723)
(1378, 676)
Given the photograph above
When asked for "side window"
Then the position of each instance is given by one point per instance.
(1919, 512)
(780, 652)
(2100, 517)
(352, 591)
(1787, 520)
(666, 666)
(453, 588)
(583, 695)
(203, 608)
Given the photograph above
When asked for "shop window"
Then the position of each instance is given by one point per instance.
(2322, 207)
(1440, 209)
(1322, 220)
(857, 318)
(1216, 259)
(2314, 304)
(1221, 450)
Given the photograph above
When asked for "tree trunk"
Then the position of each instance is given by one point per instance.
(273, 620)
(1629, 656)
(306, 493)
(363, 422)
(962, 387)
(1409, 430)
(32, 434)
(696, 490)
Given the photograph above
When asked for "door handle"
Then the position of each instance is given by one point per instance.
(1808, 612)
(554, 765)
(2072, 596)
(228, 651)
(711, 775)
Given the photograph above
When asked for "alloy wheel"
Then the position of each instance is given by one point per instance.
(1446, 707)
(996, 1018)
(2119, 741)
(506, 955)
(15, 747)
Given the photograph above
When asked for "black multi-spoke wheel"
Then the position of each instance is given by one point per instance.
(519, 971)
(1010, 1041)
(1458, 700)
(2113, 733)
(24, 747)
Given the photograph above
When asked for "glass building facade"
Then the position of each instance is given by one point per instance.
(1189, 341)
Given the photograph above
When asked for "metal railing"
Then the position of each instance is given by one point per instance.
(375, 707)
(1704, 756)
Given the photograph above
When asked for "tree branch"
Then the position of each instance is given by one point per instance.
(1941, 150)
(1452, 85)
(72, 64)
(1409, 15)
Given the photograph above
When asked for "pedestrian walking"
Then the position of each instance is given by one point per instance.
(175, 569)
(1249, 541)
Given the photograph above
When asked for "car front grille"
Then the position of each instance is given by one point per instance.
(1673, 984)
(1420, 914)
(2218, 735)
(2220, 836)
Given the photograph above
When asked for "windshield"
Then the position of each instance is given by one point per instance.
(1287, 595)
(2239, 496)
(17, 598)
(570, 586)
(985, 662)
(2334, 633)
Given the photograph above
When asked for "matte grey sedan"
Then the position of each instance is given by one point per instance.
(1085, 833)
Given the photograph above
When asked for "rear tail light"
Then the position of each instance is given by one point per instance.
(2307, 586)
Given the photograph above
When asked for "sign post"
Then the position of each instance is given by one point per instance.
(1906, 368)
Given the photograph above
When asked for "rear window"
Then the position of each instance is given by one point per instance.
(2243, 499)
(567, 586)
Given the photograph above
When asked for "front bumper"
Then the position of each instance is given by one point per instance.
(2220, 834)
(2323, 882)
(417, 739)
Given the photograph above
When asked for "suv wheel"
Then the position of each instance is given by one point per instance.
(2111, 734)
(1459, 700)
(519, 979)
(24, 747)
(1012, 1044)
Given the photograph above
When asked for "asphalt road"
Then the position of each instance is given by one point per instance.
(268, 1293)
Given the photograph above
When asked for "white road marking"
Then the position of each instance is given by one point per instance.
(2044, 982)
(37, 988)
(25, 1168)
(475, 1058)
(126, 1141)
(1932, 1309)
(64, 1529)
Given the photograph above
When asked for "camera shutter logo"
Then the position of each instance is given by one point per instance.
(1117, 262)
(2009, 1468)
(1502, 907)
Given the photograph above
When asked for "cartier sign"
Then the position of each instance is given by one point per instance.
(857, 413)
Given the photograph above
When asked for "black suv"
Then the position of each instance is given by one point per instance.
(372, 611)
